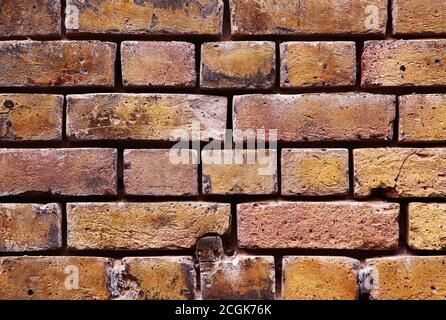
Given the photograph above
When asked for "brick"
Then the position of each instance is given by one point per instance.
(319, 278)
(25, 117)
(153, 117)
(158, 225)
(66, 172)
(318, 225)
(238, 65)
(427, 226)
(152, 172)
(396, 172)
(239, 172)
(30, 227)
(317, 64)
(315, 172)
(57, 64)
(303, 17)
(422, 118)
(405, 63)
(238, 278)
(408, 278)
(317, 117)
(30, 18)
(53, 278)
(158, 64)
(154, 17)
(157, 278)
(419, 17)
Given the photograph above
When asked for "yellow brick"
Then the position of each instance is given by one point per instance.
(427, 226)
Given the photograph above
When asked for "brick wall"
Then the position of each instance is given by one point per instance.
(94, 95)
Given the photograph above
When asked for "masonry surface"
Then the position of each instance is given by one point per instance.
(94, 94)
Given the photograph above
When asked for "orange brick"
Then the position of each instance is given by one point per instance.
(407, 63)
(422, 118)
(317, 64)
(30, 117)
(419, 17)
(302, 17)
(318, 225)
(30, 227)
(427, 226)
(152, 172)
(317, 117)
(74, 172)
(57, 64)
(158, 64)
(319, 278)
(238, 65)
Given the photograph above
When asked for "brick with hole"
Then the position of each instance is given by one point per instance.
(238, 171)
(161, 172)
(419, 17)
(344, 225)
(404, 63)
(308, 17)
(151, 117)
(427, 226)
(239, 277)
(54, 278)
(30, 18)
(143, 226)
(317, 64)
(145, 17)
(30, 227)
(319, 278)
(316, 117)
(57, 64)
(422, 118)
(315, 172)
(408, 278)
(64, 172)
(238, 65)
(400, 172)
(158, 278)
(31, 117)
(158, 64)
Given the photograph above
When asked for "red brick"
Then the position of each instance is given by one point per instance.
(318, 225)
(73, 172)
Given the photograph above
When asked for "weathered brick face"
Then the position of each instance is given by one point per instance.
(222, 149)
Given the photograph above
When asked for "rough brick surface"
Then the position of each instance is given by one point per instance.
(317, 117)
(159, 278)
(193, 17)
(238, 65)
(30, 117)
(408, 278)
(315, 172)
(30, 227)
(427, 226)
(302, 17)
(158, 64)
(318, 225)
(317, 64)
(25, 18)
(319, 278)
(137, 226)
(422, 118)
(155, 117)
(57, 64)
(400, 172)
(160, 172)
(239, 172)
(419, 17)
(74, 172)
(53, 278)
(410, 63)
